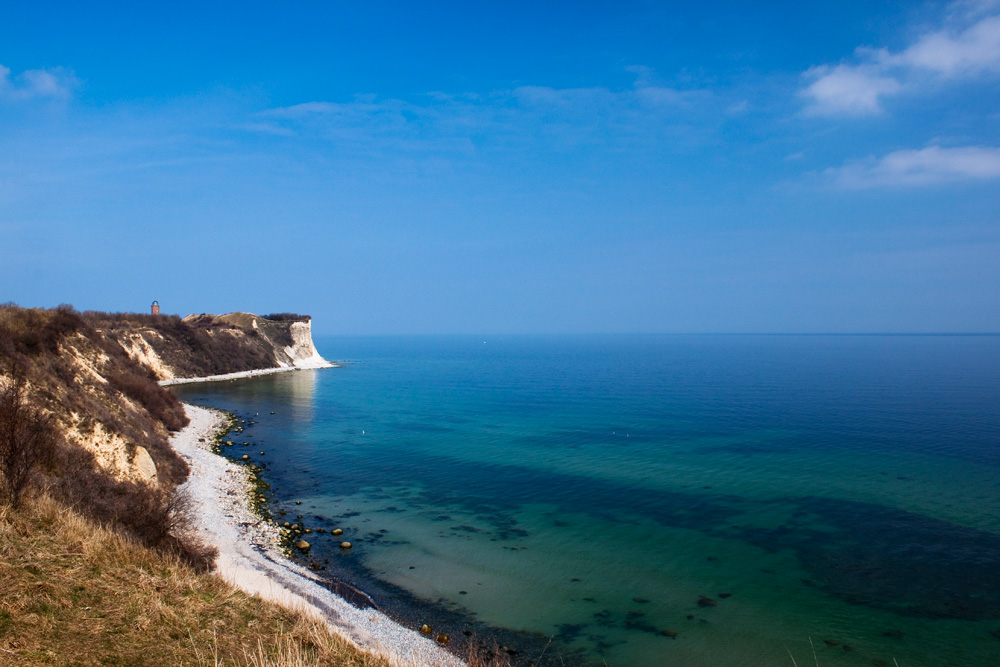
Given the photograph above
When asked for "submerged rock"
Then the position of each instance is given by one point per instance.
(707, 602)
(302, 544)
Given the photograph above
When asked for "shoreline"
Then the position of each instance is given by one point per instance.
(251, 559)
(246, 374)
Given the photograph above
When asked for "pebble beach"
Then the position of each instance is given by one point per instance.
(250, 556)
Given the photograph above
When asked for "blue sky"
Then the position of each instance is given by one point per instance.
(508, 167)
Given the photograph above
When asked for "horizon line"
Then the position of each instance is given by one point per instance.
(692, 333)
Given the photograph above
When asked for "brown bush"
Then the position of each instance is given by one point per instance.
(27, 437)
(32, 331)
(161, 404)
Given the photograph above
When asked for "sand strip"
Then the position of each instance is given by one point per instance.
(246, 374)
(249, 556)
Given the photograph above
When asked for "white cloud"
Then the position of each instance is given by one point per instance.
(925, 166)
(970, 51)
(968, 44)
(847, 90)
(55, 84)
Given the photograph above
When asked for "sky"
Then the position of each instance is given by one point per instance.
(508, 167)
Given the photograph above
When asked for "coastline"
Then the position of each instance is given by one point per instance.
(250, 557)
(247, 374)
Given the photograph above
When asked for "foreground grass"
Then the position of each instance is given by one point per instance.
(75, 593)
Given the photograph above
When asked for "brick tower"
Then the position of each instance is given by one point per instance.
(156, 308)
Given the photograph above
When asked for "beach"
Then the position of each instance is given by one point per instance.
(246, 374)
(250, 557)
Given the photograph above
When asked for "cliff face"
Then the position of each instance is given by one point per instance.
(104, 404)
(290, 340)
(202, 345)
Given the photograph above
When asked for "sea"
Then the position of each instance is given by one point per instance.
(699, 501)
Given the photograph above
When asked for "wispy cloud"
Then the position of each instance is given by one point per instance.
(926, 166)
(564, 117)
(966, 44)
(30, 84)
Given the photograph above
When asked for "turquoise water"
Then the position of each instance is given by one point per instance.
(745, 494)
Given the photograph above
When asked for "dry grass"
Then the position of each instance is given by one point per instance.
(75, 593)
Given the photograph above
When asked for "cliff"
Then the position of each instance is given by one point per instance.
(202, 345)
(95, 374)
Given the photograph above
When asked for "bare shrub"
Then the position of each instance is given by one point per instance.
(161, 404)
(27, 437)
(32, 331)
(155, 516)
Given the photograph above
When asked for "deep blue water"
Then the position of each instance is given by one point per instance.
(745, 493)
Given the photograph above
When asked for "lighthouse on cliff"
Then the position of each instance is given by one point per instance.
(156, 308)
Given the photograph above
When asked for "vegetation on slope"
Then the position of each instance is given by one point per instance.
(192, 347)
(89, 385)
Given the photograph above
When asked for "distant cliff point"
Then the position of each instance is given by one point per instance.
(202, 345)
